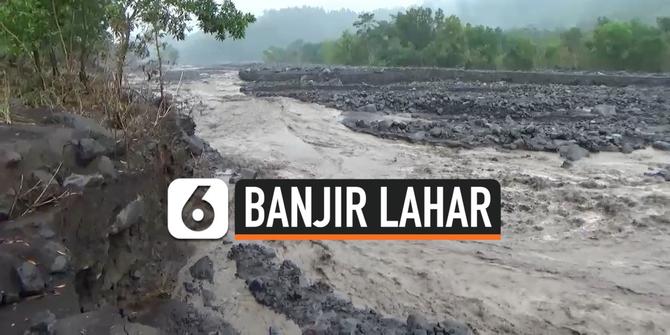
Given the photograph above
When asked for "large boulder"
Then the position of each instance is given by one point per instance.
(537, 143)
(105, 167)
(10, 287)
(57, 257)
(59, 264)
(417, 321)
(129, 216)
(30, 278)
(203, 269)
(185, 123)
(88, 149)
(661, 145)
(452, 327)
(385, 125)
(42, 323)
(9, 158)
(436, 131)
(573, 152)
(195, 145)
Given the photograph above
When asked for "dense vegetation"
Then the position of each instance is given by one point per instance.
(57, 43)
(423, 37)
(283, 26)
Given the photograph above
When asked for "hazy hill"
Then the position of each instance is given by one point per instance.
(274, 28)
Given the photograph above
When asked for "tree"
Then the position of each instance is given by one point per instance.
(75, 32)
(451, 30)
(365, 24)
(25, 26)
(163, 18)
(401, 54)
(551, 56)
(649, 49)
(449, 47)
(612, 42)
(350, 50)
(377, 41)
(572, 41)
(521, 54)
(416, 26)
(483, 45)
(330, 52)
(419, 37)
(663, 24)
(86, 29)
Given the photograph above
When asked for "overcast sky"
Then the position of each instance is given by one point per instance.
(258, 6)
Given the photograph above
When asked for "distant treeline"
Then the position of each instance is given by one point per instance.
(423, 37)
(548, 14)
(274, 27)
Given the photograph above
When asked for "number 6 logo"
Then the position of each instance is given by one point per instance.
(201, 202)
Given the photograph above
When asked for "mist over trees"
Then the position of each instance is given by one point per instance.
(273, 28)
(308, 25)
(423, 37)
(550, 14)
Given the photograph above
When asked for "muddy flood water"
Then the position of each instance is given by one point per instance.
(585, 250)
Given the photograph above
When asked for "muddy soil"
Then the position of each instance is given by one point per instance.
(584, 250)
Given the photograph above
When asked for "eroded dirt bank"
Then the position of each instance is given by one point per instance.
(83, 244)
(584, 250)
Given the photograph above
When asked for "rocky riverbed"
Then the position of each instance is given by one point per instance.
(574, 120)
